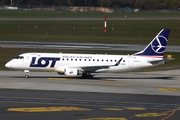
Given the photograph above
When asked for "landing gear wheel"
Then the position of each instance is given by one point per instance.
(26, 73)
(26, 76)
(85, 76)
(90, 76)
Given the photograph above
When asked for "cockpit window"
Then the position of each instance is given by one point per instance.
(19, 57)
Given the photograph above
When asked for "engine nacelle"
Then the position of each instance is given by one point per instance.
(72, 72)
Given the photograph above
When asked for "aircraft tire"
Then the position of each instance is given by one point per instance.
(85, 76)
(26, 76)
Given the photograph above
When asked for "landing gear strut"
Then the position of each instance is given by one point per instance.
(26, 73)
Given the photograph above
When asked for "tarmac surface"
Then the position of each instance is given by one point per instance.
(79, 46)
(125, 96)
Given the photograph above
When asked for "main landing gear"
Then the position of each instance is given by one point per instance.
(87, 76)
(26, 73)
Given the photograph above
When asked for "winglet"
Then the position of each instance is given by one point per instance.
(157, 46)
(118, 62)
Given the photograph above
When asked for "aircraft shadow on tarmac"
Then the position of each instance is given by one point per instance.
(160, 77)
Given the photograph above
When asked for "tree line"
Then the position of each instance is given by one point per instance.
(141, 4)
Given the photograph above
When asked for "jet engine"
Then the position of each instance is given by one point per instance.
(72, 72)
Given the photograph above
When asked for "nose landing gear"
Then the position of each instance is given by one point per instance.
(26, 73)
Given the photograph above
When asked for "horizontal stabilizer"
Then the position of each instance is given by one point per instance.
(166, 60)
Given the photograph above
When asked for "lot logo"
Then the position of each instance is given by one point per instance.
(43, 62)
(159, 44)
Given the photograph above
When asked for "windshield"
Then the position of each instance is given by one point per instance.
(19, 57)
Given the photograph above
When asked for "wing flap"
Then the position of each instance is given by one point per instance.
(93, 68)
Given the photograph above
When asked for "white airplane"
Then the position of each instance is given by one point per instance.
(73, 65)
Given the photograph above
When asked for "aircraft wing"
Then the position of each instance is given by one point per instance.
(94, 68)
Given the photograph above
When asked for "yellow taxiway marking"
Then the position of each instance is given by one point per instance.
(113, 83)
(169, 89)
(115, 109)
(104, 118)
(62, 78)
(136, 108)
(48, 109)
(151, 114)
(103, 82)
(118, 109)
(168, 114)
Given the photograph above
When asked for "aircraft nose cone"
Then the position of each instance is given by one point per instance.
(8, 65)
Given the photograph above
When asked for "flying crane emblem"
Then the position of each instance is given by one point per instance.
(158, 45)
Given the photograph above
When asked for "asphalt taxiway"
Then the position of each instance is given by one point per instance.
(133, 83)
(126, 96)
(55, 105)
(79, 46)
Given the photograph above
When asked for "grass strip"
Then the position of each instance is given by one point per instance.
(118, 32)
(61, 14)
